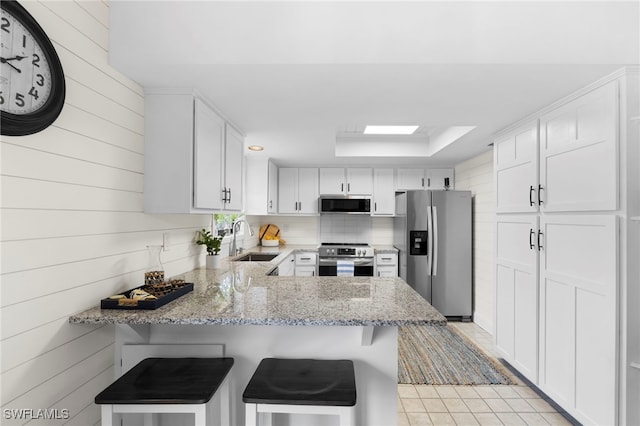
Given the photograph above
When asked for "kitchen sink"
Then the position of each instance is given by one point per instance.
(257, 257)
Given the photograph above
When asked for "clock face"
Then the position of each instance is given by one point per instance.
(32, 87)
(25, 71)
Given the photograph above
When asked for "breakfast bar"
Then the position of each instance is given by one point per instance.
(254, 316)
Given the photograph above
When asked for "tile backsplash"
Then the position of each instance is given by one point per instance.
(345, 228)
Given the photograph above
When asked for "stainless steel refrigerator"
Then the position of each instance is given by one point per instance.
(432, 231)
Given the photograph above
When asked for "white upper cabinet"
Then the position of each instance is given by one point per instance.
(516, 170)
(579, 153)
(193, 160)
(407, 179)
(438, 178)
(233, 171)
(384, 197)
(272, 193)
(298, 190)
(207, 158)
(351, 181)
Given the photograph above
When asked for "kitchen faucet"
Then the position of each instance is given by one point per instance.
(233, 250)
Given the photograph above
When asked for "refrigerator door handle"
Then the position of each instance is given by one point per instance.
(429, 241)
(434, 233)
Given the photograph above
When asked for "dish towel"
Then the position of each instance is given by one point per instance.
(344, 268)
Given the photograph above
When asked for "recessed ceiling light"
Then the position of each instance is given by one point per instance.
(390, 130)
(255, 148)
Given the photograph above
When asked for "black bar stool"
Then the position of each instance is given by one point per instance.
(169, 385)
(307, 386)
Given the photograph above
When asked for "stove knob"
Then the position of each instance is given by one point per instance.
(359, 252)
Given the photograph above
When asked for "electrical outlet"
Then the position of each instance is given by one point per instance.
(166, 241)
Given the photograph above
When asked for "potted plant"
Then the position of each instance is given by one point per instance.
(212, 243)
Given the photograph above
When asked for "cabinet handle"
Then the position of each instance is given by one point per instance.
(305, 258)
(296, 207)
(422, 182)
(224, 195)
(540, 188)
(342, 187)
(531, 191)
(270, 204)
(375, 207)
(429, 182)
(540, 234)
(531, 234)
(348, 187)
(229, 200)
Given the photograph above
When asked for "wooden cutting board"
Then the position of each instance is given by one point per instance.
(270, 230)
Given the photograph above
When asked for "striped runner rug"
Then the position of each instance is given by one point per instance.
(437, 355)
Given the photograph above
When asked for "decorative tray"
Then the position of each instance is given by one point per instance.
(148, 296)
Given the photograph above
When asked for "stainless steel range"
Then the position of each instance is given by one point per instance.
(360, 254)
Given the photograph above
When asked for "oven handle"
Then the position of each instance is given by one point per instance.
(356, 262)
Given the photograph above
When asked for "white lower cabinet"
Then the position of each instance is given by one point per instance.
(306, 264)
(578, 321)
(287, 267)
(516, 276)
(386, 265)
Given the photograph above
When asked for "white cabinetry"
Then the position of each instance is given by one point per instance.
(516, 278)
(272, 193)
(351, 181)
(306, 264)
(559, 251)
(408, 179)
(437, 178)
(384, 197)
(287, 267)
(298, 190)
(193, 159)
(386, 265)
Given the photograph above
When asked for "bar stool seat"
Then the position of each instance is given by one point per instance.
(168, 385)
(308, 386)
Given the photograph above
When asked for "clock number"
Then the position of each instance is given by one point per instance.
(20, 99)
(39, 80)
(33, 92)
(5, 24)
(35, 61)
(24, 40)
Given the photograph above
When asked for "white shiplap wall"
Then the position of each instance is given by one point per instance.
(476, 175)
(72, 226)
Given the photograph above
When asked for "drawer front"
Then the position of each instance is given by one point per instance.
(386, 259)
(306, 258)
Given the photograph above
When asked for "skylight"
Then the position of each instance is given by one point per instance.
(390, 130)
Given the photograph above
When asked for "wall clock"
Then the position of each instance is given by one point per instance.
(32, 87)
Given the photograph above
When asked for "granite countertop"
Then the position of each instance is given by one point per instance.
(242, 293)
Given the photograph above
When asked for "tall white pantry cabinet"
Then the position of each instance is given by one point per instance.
(567, 187)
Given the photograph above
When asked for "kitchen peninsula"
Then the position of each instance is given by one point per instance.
(256, 316)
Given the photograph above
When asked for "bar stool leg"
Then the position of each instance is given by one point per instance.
(251, 415)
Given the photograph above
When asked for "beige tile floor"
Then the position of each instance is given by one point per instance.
(518, 404)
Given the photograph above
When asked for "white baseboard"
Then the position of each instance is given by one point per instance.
(484, 322)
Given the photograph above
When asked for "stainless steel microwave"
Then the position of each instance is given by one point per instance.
(348, 205)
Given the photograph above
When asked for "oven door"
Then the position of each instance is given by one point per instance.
(362, 267)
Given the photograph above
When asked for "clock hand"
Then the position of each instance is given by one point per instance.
(6, 61)
(15, 58)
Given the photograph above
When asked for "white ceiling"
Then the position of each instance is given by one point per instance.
(294, 74)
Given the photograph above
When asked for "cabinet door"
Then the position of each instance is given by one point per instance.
(305, 271)
(579, 153)
(288, 190)
(516, 278)
(272, 197)
(308, 190)
(407, 179)
(387, 271)
(384, 197)
(234, 145)
(516, 170)
(436, 178)
(360, 181)
(207, 158)
(332, 181)
(578, 327)
(287, 267)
